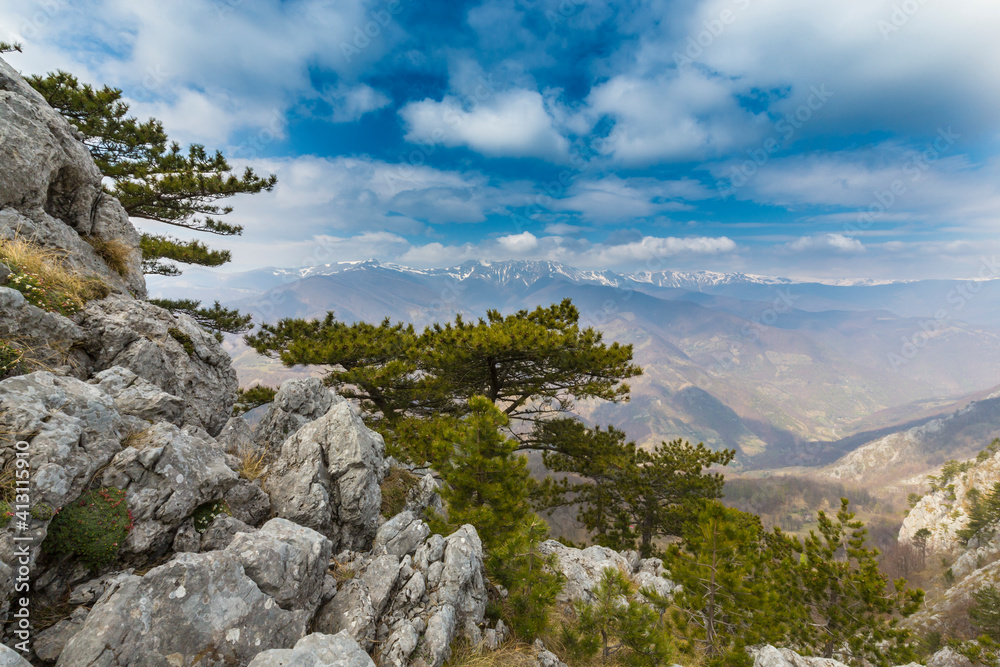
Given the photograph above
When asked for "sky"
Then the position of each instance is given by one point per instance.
(827, 140)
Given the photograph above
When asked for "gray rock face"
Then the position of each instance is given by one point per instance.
(351, 612)
(50, 189)
(401, 535)
(287, 561)
(297, 403)
(135, 396)
(327, 477)
(221, 532)
(208, 606)
(948, 658)
(151, 342)
(11, 658)
(49, 643)
(248, 502)
(317, 650)
(72, 429)
(166, 481)
(52, 338)
(545, 657)
(769, 656)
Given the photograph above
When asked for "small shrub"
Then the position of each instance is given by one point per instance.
(183, 339)
(114, 252)
(395, 487)
(252, 397)
(341, 571)
(253, 462)
(6, 513)
(205, 514)
(91, 528)
(42, 512)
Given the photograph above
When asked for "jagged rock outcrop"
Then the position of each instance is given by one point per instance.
(54, 339)
(50, 189)
(166, 479)
(72, 430)
(946, 612)
(317, 650)
(583, 569)
(327, 477)
(170, 351)
(297, 403)
(945, 512)
(222, 607)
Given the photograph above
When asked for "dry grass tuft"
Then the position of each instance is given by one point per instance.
(395, 487)
(341, 571)
(114, 252)
(56, 286)
(140, 438)
(511, 654)
(253, 462)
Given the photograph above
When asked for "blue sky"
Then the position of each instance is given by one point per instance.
(849, 139)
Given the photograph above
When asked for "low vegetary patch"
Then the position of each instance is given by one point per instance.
(92, 528)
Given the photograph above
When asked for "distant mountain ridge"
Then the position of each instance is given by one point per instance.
(787, 373)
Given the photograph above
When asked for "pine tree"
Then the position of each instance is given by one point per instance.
(532, 365)
(7, 47)
(736, 582)
(486, 484)
(630, 497)
(852, 605)
(985, 612)
(152, 178)
(216, 319)
(617, 626)
(984, 514)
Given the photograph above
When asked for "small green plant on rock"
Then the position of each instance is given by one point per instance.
(11, 360)
(183, 339)
(205, 514)
(395, 487)
(6, 513)
(91, 528)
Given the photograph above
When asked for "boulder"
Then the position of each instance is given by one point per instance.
(317, 650)
(769, 656)
(401, 535)
(168, 350)
(72, 431)
(50, 642)
(173, 474)
(54, 340)
(297, 403)
(137, 397)
(51, 193)
(583, 568)
(327, 477)
(222, 531)
(208, 607)
(351, 612)
(248, 502)
(287, 561)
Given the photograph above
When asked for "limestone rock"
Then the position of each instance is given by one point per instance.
(170, 351)
(401, 535)
(769, 656)
(297, 403)
(50, 642)
(11, 658)
(135, 396)
(248, 502)
(73, 430)
(174, 473)
(287, 561)
(222, 531)
(583, 568)
(209, 606)
(316, 650)
(50, 189)
(351, 612)
(53, 339)
(327, 477)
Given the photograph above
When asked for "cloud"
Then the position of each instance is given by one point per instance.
(512, 123)
(349, 103)
(614, 199)
(826, 242)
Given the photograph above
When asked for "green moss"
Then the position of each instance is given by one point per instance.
(206, 513)
(91, 528)
(6, 513)
(42, 512)
(183, 339)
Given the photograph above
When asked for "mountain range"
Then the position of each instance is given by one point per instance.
(789, 373)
